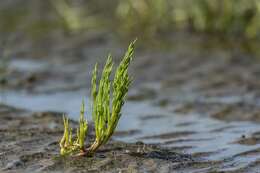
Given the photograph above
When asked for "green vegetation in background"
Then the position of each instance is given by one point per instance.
(232, 17)
(106, 112)
(143, 18)
(152, 17)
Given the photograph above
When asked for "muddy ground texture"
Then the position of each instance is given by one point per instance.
(209, 78)
(29, 143)
(189, 78)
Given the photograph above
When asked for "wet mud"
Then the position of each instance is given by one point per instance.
(29, 143)
(193, 107)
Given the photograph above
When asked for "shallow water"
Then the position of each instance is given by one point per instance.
(214, 140)
(173, 107)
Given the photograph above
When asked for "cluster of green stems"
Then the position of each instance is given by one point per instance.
(106, 111)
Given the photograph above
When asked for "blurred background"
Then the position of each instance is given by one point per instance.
(189, 48)
(186, 49)
(43, 25)
(149, 20)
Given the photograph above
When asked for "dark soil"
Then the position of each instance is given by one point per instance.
(29, 143)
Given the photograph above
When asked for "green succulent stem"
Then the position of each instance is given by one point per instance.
(106, 111)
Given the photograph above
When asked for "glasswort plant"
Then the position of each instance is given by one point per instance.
(106, 112)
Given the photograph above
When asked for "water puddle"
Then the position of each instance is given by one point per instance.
(234, 144)
(28, 65)
(214, 140)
